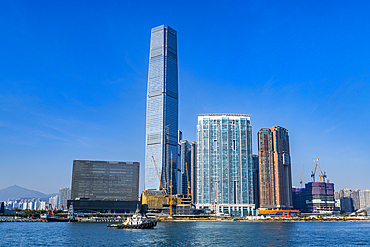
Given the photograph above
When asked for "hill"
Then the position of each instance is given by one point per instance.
(15, 192)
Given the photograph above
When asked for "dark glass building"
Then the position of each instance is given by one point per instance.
(256, 181)
(320, 196)
(299, 199)
(105, 180)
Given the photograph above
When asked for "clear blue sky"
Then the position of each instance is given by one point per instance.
(73, 77)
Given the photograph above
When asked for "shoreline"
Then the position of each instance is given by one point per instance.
(202, 220)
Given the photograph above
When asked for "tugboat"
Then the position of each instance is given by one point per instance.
(135, 222)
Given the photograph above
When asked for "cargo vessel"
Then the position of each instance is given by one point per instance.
(55, 218)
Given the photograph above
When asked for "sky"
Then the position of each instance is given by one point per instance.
(73, 78)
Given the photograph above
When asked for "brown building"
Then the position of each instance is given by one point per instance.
(274, 168)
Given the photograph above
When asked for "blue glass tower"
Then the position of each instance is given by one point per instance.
(162, 109)
(225, 164)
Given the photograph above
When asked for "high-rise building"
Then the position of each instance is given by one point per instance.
(161, 140)
(224, 164)
(105, 180)
(355, 195)
(53, 202)
(256, 185)
(364, 198)
(274, 168)
(185, 167)
(64, 196)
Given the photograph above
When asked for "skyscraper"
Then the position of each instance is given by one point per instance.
(274, 168)
(224, 163)
(161, 138)
(185, 165)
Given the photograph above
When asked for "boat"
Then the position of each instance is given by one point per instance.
(55, 218)
(135, 222)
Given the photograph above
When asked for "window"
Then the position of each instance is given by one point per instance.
(214, 144)
(234, 145)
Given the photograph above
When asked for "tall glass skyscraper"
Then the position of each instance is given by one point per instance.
(224, 163)
(162, 109)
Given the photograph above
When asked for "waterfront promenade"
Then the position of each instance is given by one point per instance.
(119, 220)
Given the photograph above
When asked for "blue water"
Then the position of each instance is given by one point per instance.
(187, 234)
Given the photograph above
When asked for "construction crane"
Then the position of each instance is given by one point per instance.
(314, 171)
(322, 174)
(318, 168)
(159, 176)
(187, 177)
(301, 177)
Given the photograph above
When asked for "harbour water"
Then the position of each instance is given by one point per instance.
(187, 234)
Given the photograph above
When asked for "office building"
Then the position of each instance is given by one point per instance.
(299, 199)
(274, 168)
(185, 167)
(161, 139)
(346, 205)
(256, 181)
(64, 196)
(224, 164)
(346, 201)
(320, 197)
(105, 180)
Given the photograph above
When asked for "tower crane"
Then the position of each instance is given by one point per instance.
(301, 177)
(322, 174)
(187, 177)
(314, 171)
(159, 176)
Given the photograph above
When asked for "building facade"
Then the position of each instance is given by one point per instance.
(364, 198)
(299, 199)
(224, 164)
(64, 196)
(274, 168)
(105, 180)
(185, 168)
(161, 139)
(256, 181)
(193, 171)
(320, 197)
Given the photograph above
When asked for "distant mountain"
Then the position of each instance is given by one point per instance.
(15, 192)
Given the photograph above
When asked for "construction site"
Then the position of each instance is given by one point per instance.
(317, 196)
(163, 203)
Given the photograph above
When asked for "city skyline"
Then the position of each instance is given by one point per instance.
(74, 82)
